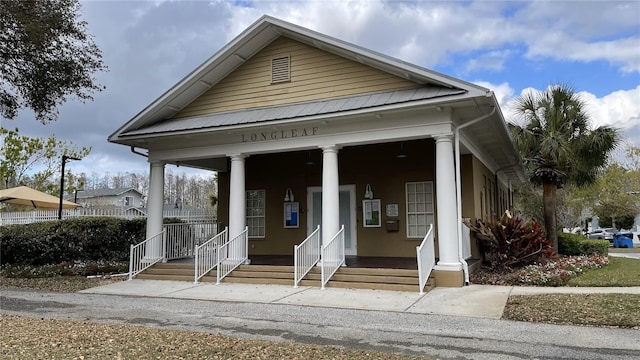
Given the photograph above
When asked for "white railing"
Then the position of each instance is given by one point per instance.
(182, 238)
(232, 254)
(27, 217)
(206, 254)
(145, 254)
(426, 258)
(332, 256)
(306, 256)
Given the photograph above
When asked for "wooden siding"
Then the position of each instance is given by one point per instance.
(315, 75)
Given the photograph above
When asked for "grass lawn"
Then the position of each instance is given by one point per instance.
(619, 272)
(615, 310)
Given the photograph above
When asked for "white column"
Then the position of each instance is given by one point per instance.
(446, 205)
(155, 204)
(330, 193)
(237, 196)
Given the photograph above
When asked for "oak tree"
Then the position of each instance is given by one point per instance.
(46, 56)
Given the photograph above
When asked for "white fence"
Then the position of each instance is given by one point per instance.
(426, 258)
(182, 238)
(332, 256)
(27, 217)
(306, 256)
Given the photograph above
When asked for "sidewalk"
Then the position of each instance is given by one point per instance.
(484, 301)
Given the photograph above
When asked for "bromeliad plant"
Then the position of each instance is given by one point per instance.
(511, 241)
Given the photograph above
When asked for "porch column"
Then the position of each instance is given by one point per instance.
(155, 204)
(446, 205)
(330, 193)
(237, 196)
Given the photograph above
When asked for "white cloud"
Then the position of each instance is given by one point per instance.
(620, 109)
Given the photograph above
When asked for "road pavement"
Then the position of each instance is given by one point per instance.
(405, 331)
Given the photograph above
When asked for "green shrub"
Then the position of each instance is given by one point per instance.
(54, 242)
(511, 241)
(574, 245)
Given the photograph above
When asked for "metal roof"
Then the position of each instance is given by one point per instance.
(299, 110)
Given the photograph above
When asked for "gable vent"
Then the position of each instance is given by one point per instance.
(280, 69)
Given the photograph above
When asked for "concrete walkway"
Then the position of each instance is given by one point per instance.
(483, 301)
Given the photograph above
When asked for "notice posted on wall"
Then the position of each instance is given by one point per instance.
(291, 214)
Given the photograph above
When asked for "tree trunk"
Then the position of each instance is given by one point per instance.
(549, 202)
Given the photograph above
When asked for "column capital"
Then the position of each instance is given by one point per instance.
(443, 137)
(330, 148)
(235, 157)
(157, 163)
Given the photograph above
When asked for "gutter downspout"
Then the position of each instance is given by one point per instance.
(465, 266)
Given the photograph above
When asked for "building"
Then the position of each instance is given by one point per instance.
(306, 130)
(109, 198)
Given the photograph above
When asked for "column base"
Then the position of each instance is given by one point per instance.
(447, 278)
(456, 266)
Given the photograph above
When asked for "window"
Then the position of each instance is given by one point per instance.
(128, 201)
(419, 208)
(280, 69)
(255, 213)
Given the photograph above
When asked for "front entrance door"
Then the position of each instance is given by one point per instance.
(347, 214)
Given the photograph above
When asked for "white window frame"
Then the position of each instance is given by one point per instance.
(131, 201)
(419, 204)
(251, 216)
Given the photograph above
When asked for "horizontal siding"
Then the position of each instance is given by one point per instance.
(315, 75)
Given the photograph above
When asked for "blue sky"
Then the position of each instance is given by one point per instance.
(508, 47)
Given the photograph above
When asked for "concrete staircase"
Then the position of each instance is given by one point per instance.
(175, 272)
(348, 278)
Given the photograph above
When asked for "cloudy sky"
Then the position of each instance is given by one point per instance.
(506, 46)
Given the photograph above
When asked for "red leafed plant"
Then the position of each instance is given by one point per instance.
(511, 241)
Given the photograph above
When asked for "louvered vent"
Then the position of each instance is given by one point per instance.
(280, 69)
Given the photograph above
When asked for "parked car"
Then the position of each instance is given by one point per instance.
(602, 234)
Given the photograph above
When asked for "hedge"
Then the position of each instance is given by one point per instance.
(574, 244)
(53, 242)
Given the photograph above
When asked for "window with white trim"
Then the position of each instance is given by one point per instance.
(128, 201)
(419, 208)
(255, 213)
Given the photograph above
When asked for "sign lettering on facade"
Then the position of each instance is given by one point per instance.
(279, 134)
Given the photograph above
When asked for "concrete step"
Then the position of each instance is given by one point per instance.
(354, 278)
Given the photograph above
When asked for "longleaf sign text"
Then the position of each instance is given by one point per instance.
(279, 134)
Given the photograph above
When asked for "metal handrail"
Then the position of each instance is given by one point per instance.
(206, 254)
(142, 256)
(306, 256)
(232, 254)
(426, 258)
(332, 256)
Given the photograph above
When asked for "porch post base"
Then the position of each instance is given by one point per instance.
(447, 278)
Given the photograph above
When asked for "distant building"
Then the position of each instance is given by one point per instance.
(109, 198)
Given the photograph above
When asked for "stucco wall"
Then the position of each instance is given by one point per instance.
(376, 165)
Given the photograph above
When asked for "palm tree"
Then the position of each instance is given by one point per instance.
(558, 146)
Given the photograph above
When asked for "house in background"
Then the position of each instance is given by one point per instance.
(109, 198)
(308, 131)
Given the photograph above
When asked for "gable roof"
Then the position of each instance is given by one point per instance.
(84, 194)
(257, 37)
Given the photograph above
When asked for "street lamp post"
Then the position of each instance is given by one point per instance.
(64, 161)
